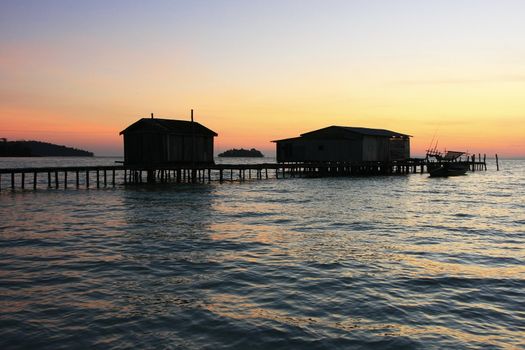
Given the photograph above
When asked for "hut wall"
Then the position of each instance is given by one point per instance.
(187, 147)
(150, 148)
(399, 148)
(376, 148)
(143, 148)
(303, 150)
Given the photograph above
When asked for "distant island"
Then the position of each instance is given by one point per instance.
(242, 153)
(38, 149)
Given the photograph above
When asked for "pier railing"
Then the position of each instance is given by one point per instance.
(111, 176)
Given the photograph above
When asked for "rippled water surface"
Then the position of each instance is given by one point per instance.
(382, 262)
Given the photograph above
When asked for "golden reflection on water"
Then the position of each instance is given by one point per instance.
(433, 267)
(319, 247)
(500, 340)
(239, 307)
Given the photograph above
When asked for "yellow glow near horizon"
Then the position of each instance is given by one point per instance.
(450, 71)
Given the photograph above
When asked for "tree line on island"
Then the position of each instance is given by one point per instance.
(234, 152)
(39, 149)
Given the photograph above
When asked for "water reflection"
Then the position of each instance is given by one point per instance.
(392, 262)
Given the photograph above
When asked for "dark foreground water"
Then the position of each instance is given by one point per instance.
(402, 262)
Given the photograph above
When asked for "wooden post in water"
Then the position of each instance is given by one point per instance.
(479, 161)
(150, 176)
(23, 179)
(113, 177)
(105, 179)
(56, 179)
(12, 181)
(87, 178)
(34, 180)
(77, 181)
(220, 175)
(497, 163)
(65, 179)
(49, 179)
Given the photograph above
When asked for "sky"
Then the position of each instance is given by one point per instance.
(79, 72)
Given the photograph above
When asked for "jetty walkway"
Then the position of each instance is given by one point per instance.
(114, 175)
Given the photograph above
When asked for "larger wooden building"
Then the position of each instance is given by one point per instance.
(344, 144)
(155, 141)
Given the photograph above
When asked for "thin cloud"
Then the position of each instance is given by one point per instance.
(501, 79)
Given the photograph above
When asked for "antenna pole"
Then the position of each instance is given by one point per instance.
(193, 147)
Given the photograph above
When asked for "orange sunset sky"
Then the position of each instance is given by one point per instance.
(77, 73)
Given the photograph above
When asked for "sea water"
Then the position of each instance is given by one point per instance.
(387, 262)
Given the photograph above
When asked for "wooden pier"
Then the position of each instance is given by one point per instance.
(111, 176)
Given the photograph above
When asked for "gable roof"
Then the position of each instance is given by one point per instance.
(346, 131)
(359, 130)
(170, 126)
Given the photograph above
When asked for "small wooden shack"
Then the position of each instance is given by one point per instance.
(156, 141)
(344, 144)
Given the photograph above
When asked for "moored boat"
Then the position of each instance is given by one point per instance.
(449, 164)
(449, 169)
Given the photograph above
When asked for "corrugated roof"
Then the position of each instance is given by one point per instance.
(356, 130)
(362, 131)
(170, 126)
(288, 139)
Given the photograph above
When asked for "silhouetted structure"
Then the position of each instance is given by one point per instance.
(155, 141)
(344, 144)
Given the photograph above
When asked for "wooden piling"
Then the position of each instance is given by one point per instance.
(194, 175)
(237, 172)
